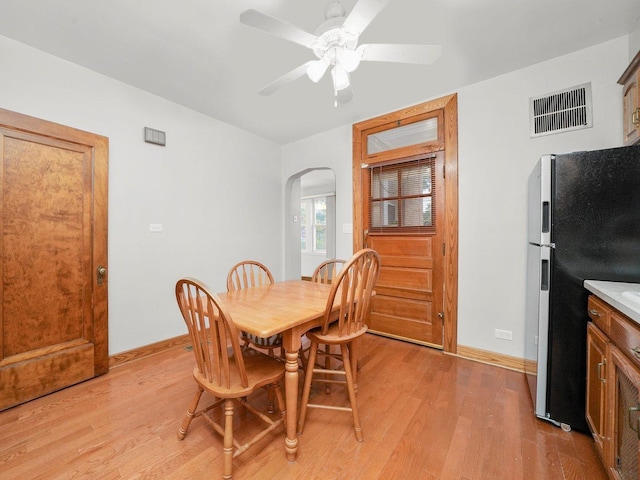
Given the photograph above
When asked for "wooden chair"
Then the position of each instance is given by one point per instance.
(223, 369)
(250, 273)
(326, 273)
(353, 287)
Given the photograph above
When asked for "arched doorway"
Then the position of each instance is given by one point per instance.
(309, 196)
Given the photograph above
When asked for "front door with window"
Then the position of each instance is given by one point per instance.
(404, 227)
(401, 211)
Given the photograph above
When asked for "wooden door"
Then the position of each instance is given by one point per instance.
(53, 220)
(409, 293)
(416, 293)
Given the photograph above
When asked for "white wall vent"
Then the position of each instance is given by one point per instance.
(561, 111)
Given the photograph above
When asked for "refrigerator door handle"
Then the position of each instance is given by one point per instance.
(546, 222)
(544, 275)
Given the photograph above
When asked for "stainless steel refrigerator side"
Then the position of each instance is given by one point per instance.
(537, 326)
(539, 203)
(538, 279)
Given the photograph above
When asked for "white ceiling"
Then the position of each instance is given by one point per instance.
(196, 52)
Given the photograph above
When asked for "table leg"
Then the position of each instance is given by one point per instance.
(291, 400)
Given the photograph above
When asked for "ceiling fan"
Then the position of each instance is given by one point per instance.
(335, 44)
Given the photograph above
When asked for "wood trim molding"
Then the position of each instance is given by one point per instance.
(148, 350)
(491, 358)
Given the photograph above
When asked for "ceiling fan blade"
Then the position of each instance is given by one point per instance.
(362, 14)
(400, 53)
(276, 27)
(289, 77)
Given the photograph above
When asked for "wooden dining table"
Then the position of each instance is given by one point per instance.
(291, 308)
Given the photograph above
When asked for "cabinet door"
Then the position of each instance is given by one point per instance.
(625, 398)
(596, 388)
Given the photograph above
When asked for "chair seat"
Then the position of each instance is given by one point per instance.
(272, 341)
(333, 337)
(261, 370)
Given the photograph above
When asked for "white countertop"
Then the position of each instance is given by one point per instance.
(625, 297)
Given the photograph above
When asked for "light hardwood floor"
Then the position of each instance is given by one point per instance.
(425, 415)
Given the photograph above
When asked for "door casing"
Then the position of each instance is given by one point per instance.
(448, 106)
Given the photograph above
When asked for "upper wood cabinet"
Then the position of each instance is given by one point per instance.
(630, 80)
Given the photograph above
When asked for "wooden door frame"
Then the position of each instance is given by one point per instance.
(449, 107)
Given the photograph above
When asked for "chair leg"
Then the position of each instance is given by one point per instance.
(302, 360)
(353, 358)
(228, 440)
(270, 400)
(327, 366)
(348, 369)
(281, 404)
(307, 386)
(191, 410)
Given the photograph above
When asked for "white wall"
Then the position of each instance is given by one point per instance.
(634, 41)
(203, 187)
(495, 158)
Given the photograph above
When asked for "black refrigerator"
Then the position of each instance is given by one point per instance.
(584, 223)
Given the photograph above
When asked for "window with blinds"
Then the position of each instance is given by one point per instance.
(402, 197)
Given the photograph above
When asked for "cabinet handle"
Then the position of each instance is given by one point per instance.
(636, 352)
(635, 118)
(594, 312)
(599, 370)
(631, 411)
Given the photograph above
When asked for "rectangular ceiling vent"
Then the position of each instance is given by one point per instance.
(561, 111)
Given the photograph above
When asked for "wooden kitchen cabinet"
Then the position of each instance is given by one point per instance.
(613, 388)
(630, 81)
(625, 399)
(597, 343)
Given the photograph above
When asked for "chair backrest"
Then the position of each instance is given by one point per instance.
(213, 335)
(248, 273)
(327, 271)
(353, 287)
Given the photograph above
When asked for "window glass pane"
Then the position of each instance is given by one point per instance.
(417, 212)
(416, 180)
(303, 225)
(412, 134)
(384, 213)
(320, 238)
(320, 211)
(385, 184)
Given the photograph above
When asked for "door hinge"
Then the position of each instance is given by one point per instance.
(443, 249)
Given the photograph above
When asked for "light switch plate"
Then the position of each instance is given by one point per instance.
(155, 227)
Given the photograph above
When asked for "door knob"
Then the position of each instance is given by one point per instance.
(102, 271)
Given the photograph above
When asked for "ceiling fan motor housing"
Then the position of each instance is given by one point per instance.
(331, 35)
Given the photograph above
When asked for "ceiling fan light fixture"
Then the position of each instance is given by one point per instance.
(349, 59)
(340, 78)
(316, 69)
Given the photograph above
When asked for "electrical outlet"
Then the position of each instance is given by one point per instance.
(504, 334)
